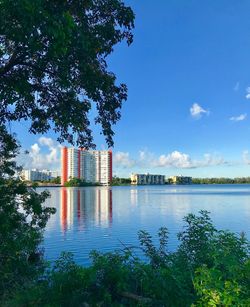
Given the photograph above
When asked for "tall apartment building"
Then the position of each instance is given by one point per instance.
(89, 165)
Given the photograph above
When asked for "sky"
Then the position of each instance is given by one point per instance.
(188, 107)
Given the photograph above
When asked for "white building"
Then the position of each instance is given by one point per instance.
(55, 174)
(180, 180)
(147, 179)
(89, 165)
(38, 175)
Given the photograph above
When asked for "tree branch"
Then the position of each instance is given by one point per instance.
(10, 64)
(36, 68)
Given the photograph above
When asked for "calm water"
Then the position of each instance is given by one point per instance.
(106, 218)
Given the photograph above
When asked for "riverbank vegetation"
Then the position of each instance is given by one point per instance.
(210, 268)
(117, 181)
(53, 181)
(22, 221)
(222, 180)
(77, 182)
(56, 180)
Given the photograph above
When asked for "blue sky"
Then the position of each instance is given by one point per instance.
(187, 112)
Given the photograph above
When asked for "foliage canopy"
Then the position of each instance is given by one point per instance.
(22, 220)
(53, 64)
(53, 70)
(77, 182)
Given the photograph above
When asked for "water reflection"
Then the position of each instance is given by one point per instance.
(79, 206)
(134, 197)
(103, 217)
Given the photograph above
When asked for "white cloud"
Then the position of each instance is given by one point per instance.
(177, 159)
(147, 160)
(237, 86)
(238, 118)
(212, 160)
(35, 149)
(248, 92)
(122, 159)
(246, 157)
(46, 142)
(174, 159)
(34, 154)
(196, 111)
(45, 154)
(143, 155)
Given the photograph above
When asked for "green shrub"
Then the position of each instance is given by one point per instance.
(77, 182)
(22, 220)
(209, 268)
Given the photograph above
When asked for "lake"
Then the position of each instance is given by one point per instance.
(109, 218)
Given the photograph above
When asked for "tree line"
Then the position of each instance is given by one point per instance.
(221, 180)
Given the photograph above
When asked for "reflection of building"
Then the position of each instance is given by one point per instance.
(38, 175)
(134, 197)
(89, 165)
(83, 206)
(180, 180)
(147, 179)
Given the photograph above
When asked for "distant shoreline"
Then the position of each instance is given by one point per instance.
(134, 185)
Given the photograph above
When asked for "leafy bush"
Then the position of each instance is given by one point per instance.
(120, 181)
(22, 220)
(77, 182)
(210, 268)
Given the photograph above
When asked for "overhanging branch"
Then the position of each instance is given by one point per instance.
(11, 63)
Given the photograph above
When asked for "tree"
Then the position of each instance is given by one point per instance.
(56, 180)
(22, 220)
(53, 69)
(120, 181)
(53, 65)
(77, 182)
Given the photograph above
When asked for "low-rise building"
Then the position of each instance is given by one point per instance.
(55, 174)
(36, 175)
(139, 179)
(180, 180)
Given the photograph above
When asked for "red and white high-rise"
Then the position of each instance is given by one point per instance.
(89, 165)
